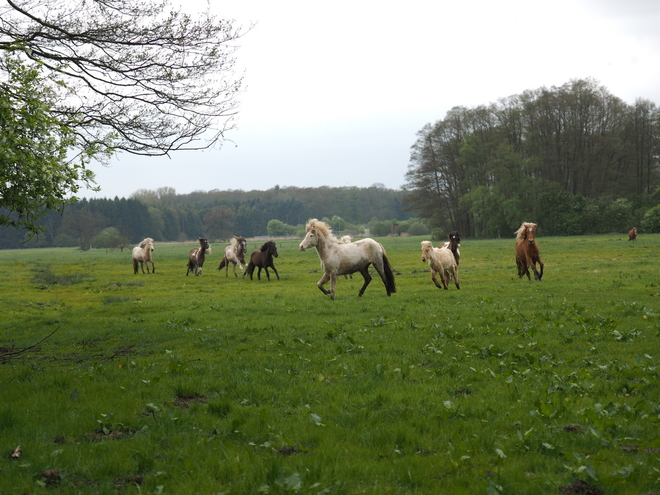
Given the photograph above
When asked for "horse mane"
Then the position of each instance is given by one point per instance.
(147, 240)
(321, 227)
(521, 233)
(266, 245)
(234, 242)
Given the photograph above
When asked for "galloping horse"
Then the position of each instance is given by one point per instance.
(234, 254)
(632, 235)
(197, 256)
(527, 251)
(263, 259)
(453, 245)
(338, 258)
(142, 255)
(442, 261)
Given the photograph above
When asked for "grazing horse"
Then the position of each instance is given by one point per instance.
(453, 245)
(527, 251)
(632, 235)
(263, 259)
(197, 256)
(442, 261)
(338, 258)
(234, 254)
(142, 255)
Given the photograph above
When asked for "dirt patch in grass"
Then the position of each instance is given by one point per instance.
(582, 488)
(185, 401)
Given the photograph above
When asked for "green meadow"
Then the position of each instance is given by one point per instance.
(112, 382)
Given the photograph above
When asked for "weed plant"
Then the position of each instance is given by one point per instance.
(164, 383)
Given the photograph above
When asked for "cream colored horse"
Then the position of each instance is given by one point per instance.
(142, 255)
(442, 261)
(234, 254)
(338, 258)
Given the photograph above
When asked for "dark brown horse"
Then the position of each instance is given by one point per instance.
(632, 235)
(197, 256)
(263, 259)
(453, 245)
(527, 251)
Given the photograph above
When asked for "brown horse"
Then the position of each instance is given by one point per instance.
(453, 245)
(632, 235)
(197, 256)
(263, 259)
(527, 251)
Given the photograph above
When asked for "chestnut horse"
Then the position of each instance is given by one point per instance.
(263, 259)
(527, 251)
(632, 235)
(197, 256)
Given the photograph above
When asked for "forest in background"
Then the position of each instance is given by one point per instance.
(575, 159)
(165, 215)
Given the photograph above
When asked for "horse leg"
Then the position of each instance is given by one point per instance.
(445, 279)
(322, 282)
(258, 273)
(135, 266)
(435, 280)
(234, 268)
(267, 274)
(275, 270)
(455, 274)
(531, 262)
(333, 284)
(142, 266)
(153, 267)
(367, 280)
(541, 271)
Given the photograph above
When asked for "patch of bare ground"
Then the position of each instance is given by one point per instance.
(582, 488)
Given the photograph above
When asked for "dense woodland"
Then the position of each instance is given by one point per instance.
(166, 216)
(575, 159)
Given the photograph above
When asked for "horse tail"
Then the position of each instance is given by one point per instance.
(135, 265)
(223, 263)
(390, 286)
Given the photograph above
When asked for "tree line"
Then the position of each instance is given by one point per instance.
(575, 159)
(165, 215)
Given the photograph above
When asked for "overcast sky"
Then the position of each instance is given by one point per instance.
(336, 92)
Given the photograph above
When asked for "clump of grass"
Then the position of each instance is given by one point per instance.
(113, 300)
(47, 277)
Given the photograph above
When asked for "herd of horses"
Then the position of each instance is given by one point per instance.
(344, 257)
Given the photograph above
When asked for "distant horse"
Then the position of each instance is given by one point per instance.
(234, 254)
(197, 256)
(263, 259)
(453, 245)
(632, 235)
(142, 255)
(338, 258)
(442, 261)
(527, 251)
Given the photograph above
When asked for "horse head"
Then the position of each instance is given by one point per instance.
(526, 231)
(427, 247)
(204, 244)
(271, 248)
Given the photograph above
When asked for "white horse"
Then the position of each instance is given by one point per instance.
(142, 255)
(338, 258)
(440, 260)
(234, 254)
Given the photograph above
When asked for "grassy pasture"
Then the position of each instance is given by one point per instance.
(164, 383)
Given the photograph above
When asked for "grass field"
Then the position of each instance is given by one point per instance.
(164, 383)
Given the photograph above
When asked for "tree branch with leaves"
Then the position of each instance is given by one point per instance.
(138, 77)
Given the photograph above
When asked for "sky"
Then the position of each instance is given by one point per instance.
(335, 93)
